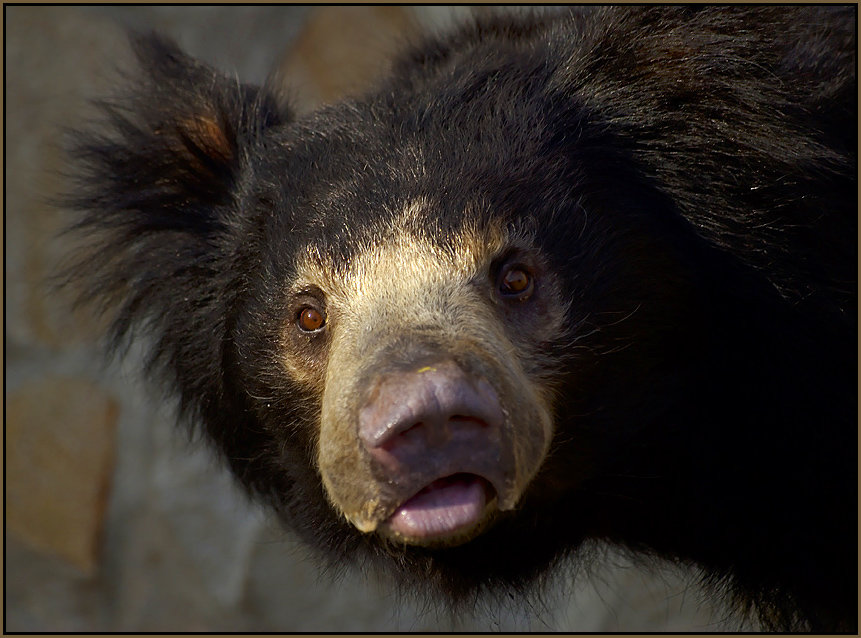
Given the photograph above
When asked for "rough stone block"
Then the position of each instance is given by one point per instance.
(55, 62)
(342, 50)
(59, 461)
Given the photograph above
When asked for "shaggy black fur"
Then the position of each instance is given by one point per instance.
(690, 173)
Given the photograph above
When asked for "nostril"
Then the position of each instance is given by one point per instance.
(409, 430)
(467, 419)
(435, 432)
(423, 411)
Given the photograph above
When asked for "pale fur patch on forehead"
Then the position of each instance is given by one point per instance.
(404, 256)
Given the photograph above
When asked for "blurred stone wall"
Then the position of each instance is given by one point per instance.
(114, 521)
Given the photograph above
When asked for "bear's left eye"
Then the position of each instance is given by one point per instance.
(310, 319)
(515, 282)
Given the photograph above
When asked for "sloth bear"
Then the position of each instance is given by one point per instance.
(556, 279)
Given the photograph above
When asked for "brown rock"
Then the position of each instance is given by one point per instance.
(56, 61)
(60, 436)
(341, 51)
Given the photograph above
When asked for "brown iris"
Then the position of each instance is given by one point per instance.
(310, 320)
(516, 283)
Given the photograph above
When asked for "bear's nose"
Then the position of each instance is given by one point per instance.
(425, 407)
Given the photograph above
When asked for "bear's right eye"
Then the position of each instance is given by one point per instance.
(515, 282)
(310, 319)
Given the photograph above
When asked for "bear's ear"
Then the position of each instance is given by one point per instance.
(155, 190)
(177, 139)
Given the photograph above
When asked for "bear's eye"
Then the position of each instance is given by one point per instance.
(515, 282)
(310, 319)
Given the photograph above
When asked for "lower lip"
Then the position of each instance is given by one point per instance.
(444, 509)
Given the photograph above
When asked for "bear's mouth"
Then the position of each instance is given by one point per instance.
(449, 511)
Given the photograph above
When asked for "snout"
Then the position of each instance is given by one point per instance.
(411, 411)
(435, 435)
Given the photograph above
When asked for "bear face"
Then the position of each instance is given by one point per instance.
(554, 280)
(412, 317)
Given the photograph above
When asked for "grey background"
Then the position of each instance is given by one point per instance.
(115, 521)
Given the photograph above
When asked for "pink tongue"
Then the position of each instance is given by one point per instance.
(440, 509)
